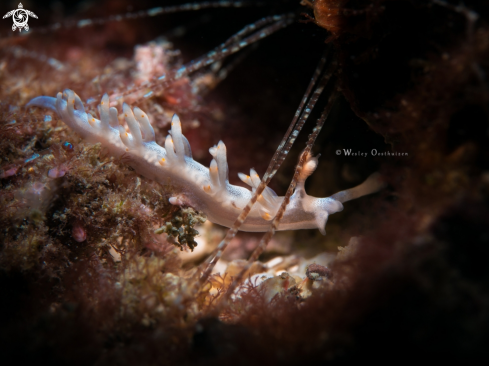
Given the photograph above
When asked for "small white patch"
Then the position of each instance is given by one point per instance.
(177, 201)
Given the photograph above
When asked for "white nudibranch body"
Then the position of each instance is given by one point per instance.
(205, 189)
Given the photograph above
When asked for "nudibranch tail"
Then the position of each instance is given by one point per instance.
(205, 189)
(372, 184)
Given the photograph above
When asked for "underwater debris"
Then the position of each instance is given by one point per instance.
(276, 286)
(316, 271)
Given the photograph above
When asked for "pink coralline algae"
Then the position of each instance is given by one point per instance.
(79, 233)
(57, 172)
(9, 172)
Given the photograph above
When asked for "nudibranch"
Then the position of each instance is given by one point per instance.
(205, 189)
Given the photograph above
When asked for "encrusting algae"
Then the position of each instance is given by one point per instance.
(97, 266)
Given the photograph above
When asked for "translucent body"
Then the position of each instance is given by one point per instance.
(205, 189)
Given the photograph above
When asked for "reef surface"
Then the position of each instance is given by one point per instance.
(95, 264)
